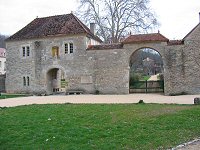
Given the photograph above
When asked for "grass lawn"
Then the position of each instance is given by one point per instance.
(116, 126)
(4, 96)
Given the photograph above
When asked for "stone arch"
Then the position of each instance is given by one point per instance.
(54, 76)
(159, 49)
(143, 47)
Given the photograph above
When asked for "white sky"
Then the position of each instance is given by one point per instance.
(177, 17)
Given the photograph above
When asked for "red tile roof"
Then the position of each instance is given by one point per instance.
(105, 46)
(153, 37)
(175, 42)
(51, 26)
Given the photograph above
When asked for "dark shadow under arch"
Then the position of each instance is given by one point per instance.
(54, 79)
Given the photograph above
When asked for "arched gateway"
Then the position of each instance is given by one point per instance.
(154, 42)
(112, 63)
(146, 71)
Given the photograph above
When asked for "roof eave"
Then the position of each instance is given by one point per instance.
(138, 42)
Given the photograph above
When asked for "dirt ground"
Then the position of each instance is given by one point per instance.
(104, 99)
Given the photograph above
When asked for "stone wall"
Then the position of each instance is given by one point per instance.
(2, 83)
(106, 71)
(74, 65)
(111, 71)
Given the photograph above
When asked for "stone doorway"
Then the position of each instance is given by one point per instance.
(56, 81)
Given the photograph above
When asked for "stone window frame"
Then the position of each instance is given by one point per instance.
(25, 51)
(69, 47)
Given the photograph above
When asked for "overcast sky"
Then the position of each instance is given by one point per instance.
(177, 17)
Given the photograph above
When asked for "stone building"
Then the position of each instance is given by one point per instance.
(61, 48)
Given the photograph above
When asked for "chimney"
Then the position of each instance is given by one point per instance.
(199, 17)
(92, 27)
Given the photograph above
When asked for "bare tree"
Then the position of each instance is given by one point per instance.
(117, 18)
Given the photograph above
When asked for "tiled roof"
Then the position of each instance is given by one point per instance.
(139, 38)
(51, 26)
(105, 46)
(175, 42)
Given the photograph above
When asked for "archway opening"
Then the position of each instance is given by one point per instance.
(56, 81)
(146, 71)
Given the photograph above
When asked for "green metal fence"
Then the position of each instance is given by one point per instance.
(147, 87)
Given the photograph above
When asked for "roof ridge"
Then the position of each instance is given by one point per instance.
(82, 25)
(53, 25)
(145, 37)
(146, 34)
(51, 16)
(88, 31)
(162, 35)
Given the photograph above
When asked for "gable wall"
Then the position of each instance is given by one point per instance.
(191, 61)
(41, 61)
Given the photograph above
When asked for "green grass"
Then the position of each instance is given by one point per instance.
(124, 126)
(5, 96)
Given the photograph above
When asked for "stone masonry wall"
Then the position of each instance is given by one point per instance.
(75, 65)
(191, 61)
(106, 71)
(2, 83)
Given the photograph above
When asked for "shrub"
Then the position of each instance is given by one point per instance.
(160, 77)
(177, 94)
(134, 78)
(97, 92)
(141, 102)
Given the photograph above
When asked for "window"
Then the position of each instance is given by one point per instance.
(69, 48)
(66, 49)
(25, 51)
(26, 81)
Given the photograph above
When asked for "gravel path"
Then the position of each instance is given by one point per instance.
(153, 78)
(192, 145)
(96, 99)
